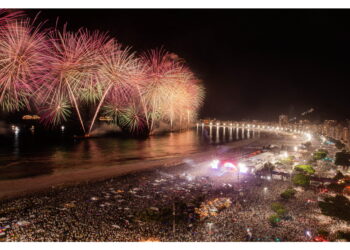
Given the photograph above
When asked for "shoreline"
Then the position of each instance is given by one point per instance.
(31, 185)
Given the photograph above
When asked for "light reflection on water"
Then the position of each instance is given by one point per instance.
(22, 158)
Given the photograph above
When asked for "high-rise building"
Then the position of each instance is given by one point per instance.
(283, 120)
(328, 127)
(345, 136)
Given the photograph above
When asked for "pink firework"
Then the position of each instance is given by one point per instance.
(7, 16)
(164, 86)
(72, 79)
(120, 76)
(23, 50)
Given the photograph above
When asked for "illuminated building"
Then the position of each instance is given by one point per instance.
(283, 120)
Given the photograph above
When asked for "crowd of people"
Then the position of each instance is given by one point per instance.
(113, 210)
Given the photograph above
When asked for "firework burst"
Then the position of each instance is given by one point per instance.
(58, 112)
(120, 76)
(132, 118)
(73, 63)
(23, 50)
(166, 89)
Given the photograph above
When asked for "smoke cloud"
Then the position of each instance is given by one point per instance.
(105, 129)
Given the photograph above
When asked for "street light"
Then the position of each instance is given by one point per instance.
(308, 233)
(249, 233)
(174, 219)
(210, 224)
(265, 191)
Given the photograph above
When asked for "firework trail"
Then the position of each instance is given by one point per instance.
(7, 16)
(23, 50)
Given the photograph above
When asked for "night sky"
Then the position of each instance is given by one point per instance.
(255, 64)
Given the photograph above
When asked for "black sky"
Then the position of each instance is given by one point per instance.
(255, 64)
